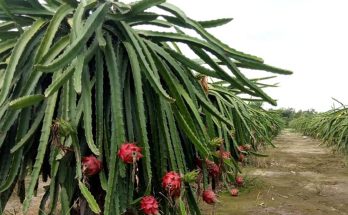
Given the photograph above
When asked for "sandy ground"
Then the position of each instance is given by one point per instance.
(298, 178)
(14, 207)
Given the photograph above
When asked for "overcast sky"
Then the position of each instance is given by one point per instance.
(309, 37)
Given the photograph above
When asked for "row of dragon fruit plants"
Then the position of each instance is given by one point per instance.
(117, 118)
(329, 126)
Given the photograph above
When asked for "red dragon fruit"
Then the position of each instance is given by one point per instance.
(241, 157)
(171, 182)
(213, 168)
(91, 165)
(239, 180)
(129, 153)
(223, 154)
(246, 147)
(209, 197)
(241, 148)
(234, 192)
(149, 205)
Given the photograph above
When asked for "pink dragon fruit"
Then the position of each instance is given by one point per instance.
(91, 165)
(171, 182)
(149, 205)
(129, 153)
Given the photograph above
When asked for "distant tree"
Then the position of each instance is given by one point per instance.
(288, 114)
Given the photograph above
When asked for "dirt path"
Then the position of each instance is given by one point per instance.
(299, 177)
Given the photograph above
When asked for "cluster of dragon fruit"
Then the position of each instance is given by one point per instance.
(172, 182)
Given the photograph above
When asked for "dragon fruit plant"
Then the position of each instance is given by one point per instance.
(102, 108)
(326, 126)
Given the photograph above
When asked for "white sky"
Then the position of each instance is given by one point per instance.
(309, 37)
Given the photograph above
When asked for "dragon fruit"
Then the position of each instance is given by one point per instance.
(171, 182)
(239, 180)
(223, 154)
(129, 153)
(234, 192)
(213, 168)
(241, 157)
(149, 205)
(209, 197)
(91, 165)
(245, 147)
(241, 148)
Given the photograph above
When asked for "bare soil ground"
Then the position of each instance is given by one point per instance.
(298, 178)
(14, 206)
